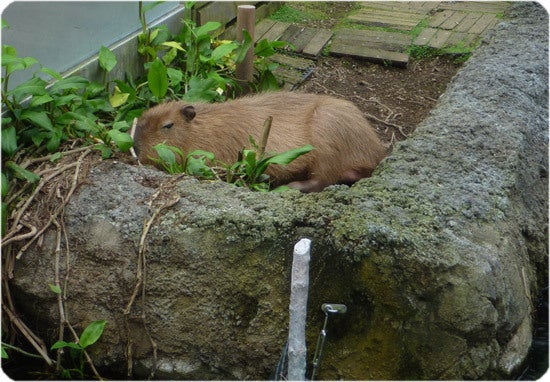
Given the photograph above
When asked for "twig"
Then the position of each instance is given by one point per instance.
(400, 128)
(265, 136)
(36, 343)
(30, 161)
(62, 318)
(23, 236)
(21, 350)
(133, 134)
(60, 208)
(41, 184)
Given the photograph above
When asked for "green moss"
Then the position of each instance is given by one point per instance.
(290, 14)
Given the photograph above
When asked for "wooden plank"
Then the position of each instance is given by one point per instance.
(395, 17)
(439, 39)
(418, 7)
(294, 62)
(485, 21)
(460, 38)
(388, 19)
(476, 6)
(315, 46)
(467, 22)
(373, 39)
(439, 18)
(291, 33)
(220, 11)
(276, 31)
(453, 21)
(425, 36)
(262, 28)
(370, 54)
(301, 40)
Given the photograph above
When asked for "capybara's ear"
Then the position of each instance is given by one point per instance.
(188, 113)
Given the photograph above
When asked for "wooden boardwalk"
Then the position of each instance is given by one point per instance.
(430, 24)
(305, 44)
(383, 32)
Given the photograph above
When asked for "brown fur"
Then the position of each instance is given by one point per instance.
(346, 146)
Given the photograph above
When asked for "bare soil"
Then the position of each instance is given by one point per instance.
(394, 100)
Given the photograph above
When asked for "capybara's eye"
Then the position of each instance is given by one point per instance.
(168, 125)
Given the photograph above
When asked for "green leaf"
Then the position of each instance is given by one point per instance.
(175, 75)
(54, 74)
(118, 98)
(39, 119)
(34, 86)
(72, 83)
(201, 89)
(243, 49)
(174, 44)
(92, 333)
(54, 141)
(9, 140)
(3, 352)
(206, 28)
(3, 219)
(56, 156)
(105, 151)
(107, 59)
(165, 154)
(63, 344)
(196, 163)
(5, 185)
(123, 140)
(29, 61)
(263, 49)
(55, 288)
(21, 173)
(169, 56)
(288, 156)
(223, 50)
(41, 99)
(157, 79)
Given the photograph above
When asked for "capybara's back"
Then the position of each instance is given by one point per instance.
(346, 146)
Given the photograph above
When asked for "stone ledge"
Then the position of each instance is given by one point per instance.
(438, 256)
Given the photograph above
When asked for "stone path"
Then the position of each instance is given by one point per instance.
(384, 32)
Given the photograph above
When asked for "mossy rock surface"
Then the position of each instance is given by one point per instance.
(439, 256)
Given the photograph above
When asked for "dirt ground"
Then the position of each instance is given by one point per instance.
(393, 99)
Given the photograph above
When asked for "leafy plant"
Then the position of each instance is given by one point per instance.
(173, 161)
(196, 66)
(247, 171)
(90, 335)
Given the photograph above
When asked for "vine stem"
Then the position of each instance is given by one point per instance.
(141, 274)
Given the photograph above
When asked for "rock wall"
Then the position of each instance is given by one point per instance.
(439, 256)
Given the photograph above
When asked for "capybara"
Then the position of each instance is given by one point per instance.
(346, 148)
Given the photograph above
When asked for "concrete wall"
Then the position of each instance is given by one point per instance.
(63, 35)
